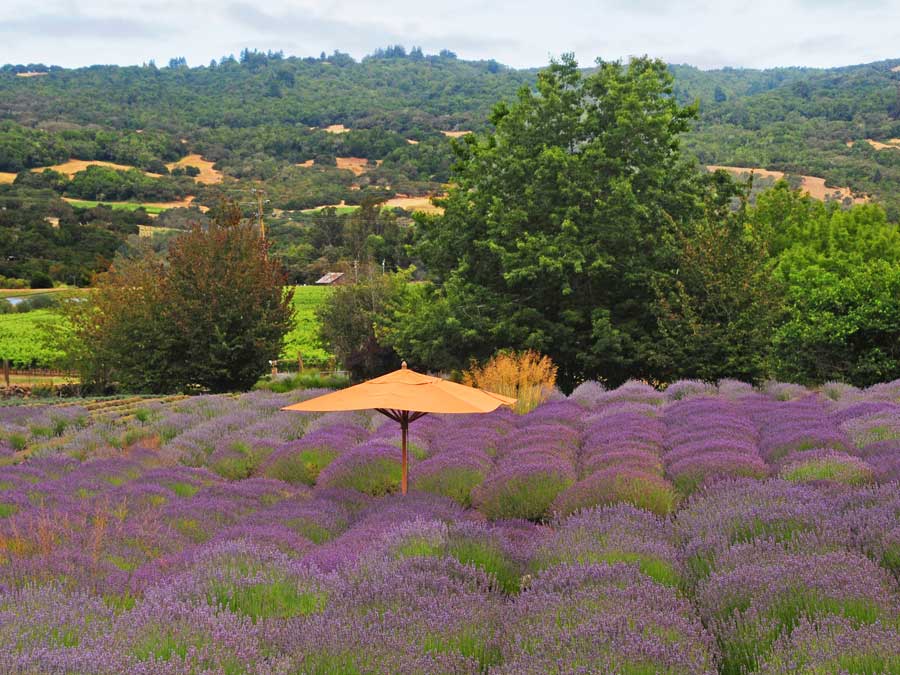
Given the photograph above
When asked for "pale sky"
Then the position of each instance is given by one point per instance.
(521, 33)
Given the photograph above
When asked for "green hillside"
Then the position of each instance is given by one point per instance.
(324, 131)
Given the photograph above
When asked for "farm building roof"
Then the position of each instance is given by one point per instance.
(330, 278)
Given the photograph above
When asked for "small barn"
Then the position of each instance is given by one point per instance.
(333, 279)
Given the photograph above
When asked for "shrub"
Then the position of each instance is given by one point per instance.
(372, 469)
(835, 645)
(618, 484)
(526, 376)
(611, 617)
(41, 280)
(298, 463)
(452, 475)
(827, 465)
(761, 591)
(614, 534)
(691, 472)
(522, 490)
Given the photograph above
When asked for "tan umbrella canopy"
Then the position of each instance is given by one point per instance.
(405, 396)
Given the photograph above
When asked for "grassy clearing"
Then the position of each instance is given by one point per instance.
(340, 209)
(814, 185)
(207, 175)
(400, 202)
(73, 166)
(24, 339)
(24, 292)
(303, 339)
(119, 206)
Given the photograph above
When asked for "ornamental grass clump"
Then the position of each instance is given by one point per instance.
(522, 489)
(602, 618)
(614, 534)
(526, 376)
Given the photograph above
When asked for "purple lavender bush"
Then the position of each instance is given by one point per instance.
(522, 490)
(826, 465)
(370, 468)
(835, 645)
(761, 590)
(602, 618)
(618, 484)
(614, 534)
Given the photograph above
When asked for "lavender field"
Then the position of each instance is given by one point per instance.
(696, 530)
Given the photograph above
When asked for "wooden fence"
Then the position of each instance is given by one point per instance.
(34, 373)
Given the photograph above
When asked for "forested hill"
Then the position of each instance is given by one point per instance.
(412, 93)
(336, 131)
(799, 120)
(842, 124)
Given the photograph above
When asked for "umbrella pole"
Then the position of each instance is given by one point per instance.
(404, 432)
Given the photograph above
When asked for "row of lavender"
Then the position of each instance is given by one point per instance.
(174, 571)
(133, 562)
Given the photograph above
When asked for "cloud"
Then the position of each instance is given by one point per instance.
(522, 33)
(74, 27)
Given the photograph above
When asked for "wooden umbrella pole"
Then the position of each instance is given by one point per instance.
(404, 430)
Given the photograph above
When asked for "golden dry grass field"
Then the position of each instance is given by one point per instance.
(813, 185)
(892, 144)
(207, 175)
(73, 166)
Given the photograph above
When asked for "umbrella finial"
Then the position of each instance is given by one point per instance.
(403, 365)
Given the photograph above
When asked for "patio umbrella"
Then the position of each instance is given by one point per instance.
(405, 395)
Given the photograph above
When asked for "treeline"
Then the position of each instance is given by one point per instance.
(24, 147)
(620, 259)
(802, 121)
(419, 94)
(103, 183)
(42, 236)
(259, 113)
(328, 241)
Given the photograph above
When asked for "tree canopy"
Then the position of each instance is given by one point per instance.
(559, 220)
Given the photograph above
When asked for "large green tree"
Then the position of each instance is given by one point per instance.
(842, 327)
(211, 317)
(841, 273)
(717, 309)
(349, 321)
(557, 223)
